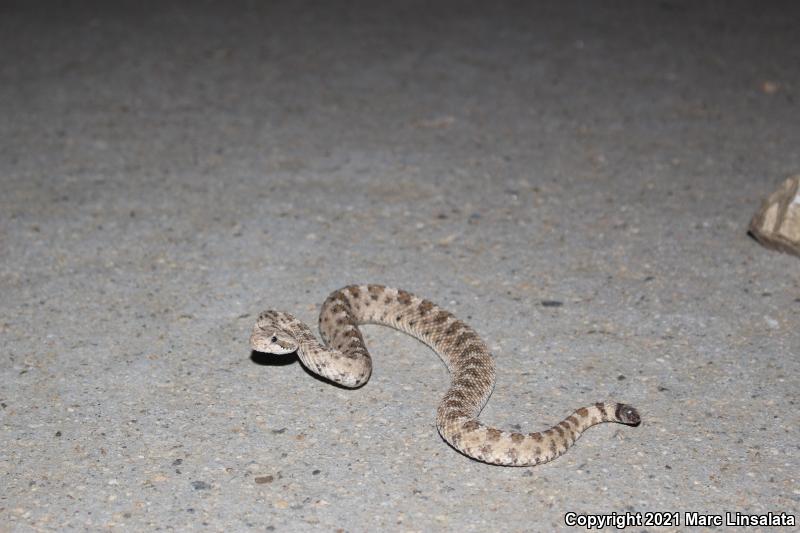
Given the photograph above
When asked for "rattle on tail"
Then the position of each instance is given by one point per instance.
(344, 359)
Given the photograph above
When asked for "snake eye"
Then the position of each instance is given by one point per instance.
(274, 339)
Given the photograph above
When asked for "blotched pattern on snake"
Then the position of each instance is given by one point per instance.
(344, 359)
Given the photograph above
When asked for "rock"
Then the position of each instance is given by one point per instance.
(200, 485)
(777, 224)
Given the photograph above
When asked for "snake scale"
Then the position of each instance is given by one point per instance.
(344, 359)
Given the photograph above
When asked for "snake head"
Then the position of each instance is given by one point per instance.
(270, 334)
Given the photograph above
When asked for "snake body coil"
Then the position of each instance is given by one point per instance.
(344, 359)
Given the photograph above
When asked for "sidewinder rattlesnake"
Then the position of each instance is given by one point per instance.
(344, 359)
